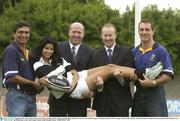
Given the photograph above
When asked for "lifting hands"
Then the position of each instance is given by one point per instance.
(149, 74)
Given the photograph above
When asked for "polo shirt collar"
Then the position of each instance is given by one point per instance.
(41, 60)
(155, 45)
(16, 45)
(24, 50)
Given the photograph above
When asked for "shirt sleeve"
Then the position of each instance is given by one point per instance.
(10, 65)
(44, 70)
(166, 61)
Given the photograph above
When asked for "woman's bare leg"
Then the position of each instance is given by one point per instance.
(108, 71)
(93, 70)
(104, 72)
(126, 72)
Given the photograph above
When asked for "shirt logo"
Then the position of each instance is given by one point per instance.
(22, 59)
(152, 57)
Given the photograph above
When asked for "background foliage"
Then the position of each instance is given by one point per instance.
(52, 17)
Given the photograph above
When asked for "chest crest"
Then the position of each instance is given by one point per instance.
(152, 57)
(22, 59)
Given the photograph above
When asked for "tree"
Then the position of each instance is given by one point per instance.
(7, 3)
(52, 17)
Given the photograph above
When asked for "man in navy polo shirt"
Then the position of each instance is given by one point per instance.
(18, 76)
(149, 98)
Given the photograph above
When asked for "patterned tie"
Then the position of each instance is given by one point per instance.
(109, 51)
(74, 53)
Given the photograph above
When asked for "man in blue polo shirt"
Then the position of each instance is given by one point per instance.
(18, 76)
(149, 98)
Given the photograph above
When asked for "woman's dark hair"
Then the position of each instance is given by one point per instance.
(37, 52)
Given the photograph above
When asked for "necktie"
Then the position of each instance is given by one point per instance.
(73, 52)
(109, 51)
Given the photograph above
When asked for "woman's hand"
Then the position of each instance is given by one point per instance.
(43, 81)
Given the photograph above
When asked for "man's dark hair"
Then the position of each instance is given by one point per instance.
(20, 24)
(147, 21)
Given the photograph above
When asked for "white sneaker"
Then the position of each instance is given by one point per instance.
(154, 71)
(58, 71)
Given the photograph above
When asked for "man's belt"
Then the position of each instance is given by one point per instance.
(31, 93)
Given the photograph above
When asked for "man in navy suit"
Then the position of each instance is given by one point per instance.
(115, 99)
(78, 54)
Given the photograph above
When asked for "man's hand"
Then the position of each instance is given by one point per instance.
(43, 81)
(38, 87)
(88, 95)
(146, 82)
(99, 84)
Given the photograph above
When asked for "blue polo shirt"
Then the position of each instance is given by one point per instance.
(15, 63)
(150, 57)
(151, 100)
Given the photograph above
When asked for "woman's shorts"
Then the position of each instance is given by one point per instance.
(81, 90)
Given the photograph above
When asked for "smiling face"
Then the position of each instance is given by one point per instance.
(47, 52)
(145, 32)
(21, 35)
(76, 33)
(108, 36)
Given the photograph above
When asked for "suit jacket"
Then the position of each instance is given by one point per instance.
(81, 63)
(114, 95)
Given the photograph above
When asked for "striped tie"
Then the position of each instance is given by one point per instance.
(74, 53)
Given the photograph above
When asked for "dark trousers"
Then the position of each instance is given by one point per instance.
(146, 103)
(64, 111)
(67, 106)
(112, 112)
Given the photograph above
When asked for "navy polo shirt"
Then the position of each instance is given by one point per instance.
(152, 57)
(15, 63)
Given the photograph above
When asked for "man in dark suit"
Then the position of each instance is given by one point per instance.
(78, 55)
(115, 99)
